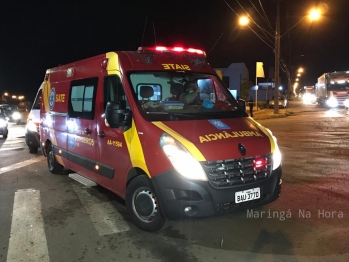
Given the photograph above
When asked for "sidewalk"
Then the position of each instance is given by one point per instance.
(294, 107)
(268, 113)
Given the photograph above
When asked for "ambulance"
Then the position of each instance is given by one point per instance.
(116, 120)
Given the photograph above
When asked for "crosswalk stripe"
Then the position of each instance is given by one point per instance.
(20, 165)
(27, 241)
(103, 215)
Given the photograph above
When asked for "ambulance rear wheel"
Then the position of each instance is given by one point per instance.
(143, 206)
(53, 165)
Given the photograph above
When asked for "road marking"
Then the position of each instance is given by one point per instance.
(27, 240)
(15, 143)
(20, 165)
(103, 215)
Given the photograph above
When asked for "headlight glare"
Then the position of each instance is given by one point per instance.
(31, 126)
(184, 163)
(332, 102)
(277, 157)
(2, 123)
(16, 116)
(346, 102)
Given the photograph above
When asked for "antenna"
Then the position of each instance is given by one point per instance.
(145, 25)
(154, 33)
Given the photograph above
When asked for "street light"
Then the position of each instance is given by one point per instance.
(313, 15)
(244, 21)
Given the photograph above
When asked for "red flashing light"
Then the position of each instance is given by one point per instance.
(160, 48)
(260, 162)
(172, 49)
(178, 49)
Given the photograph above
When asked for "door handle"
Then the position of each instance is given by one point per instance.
(88, 131)
(101, 134)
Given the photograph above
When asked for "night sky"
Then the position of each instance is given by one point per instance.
(37, 35)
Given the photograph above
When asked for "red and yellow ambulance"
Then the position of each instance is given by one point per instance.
(117, 120)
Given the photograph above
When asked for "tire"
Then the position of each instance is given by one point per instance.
(33, 150)
(5, 136)
(53, 165)
(142, 205)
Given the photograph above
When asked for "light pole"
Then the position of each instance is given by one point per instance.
(277, 59)
(313, 15)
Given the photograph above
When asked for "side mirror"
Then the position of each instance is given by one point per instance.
(242, 104)
(117, 115)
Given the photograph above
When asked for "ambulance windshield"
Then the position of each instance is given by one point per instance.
(181, 95)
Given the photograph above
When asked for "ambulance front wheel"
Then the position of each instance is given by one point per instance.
(53, 165)
(143, 206)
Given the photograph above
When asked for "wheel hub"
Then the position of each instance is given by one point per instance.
(145, 204)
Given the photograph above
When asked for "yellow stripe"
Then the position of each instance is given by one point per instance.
(135, 148)
(187, 144)
(132, 140)
(262, 128)
(113, 64)
(46, 90)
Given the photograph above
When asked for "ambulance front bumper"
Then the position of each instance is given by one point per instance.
(181, 198)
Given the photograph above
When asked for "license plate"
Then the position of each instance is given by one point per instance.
(247, 195)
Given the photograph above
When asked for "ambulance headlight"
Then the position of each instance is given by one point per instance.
(332, 102)
(184, 163)
(277, 158)
(16, 116)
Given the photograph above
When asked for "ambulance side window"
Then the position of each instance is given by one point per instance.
(82, 98)
(114, 91)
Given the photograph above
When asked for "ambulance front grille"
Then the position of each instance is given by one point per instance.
(227, 173)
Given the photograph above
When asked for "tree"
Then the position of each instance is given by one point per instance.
(245, 87)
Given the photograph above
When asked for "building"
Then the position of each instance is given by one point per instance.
(233, 75)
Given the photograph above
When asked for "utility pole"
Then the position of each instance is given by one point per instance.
(277, 59)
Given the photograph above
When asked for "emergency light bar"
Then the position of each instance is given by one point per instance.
(171, 49)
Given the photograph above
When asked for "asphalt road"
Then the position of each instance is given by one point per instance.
(53, 218)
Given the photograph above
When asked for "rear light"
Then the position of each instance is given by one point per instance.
(172, 49)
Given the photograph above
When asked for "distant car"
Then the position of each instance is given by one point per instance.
(282, 102)
(11, 111)
(3, 125)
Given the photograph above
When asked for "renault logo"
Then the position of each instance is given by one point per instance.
(242, 149)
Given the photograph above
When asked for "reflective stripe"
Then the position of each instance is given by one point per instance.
(262, 128)
(185, 142)
(135, 149)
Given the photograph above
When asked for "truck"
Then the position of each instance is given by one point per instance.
(116, 120)
(308, 95)
(332, 89)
